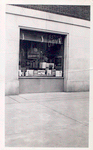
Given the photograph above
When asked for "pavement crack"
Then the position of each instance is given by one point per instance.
(13, 99)
(23, 97)
(63, 114)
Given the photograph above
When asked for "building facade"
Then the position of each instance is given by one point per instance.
(45, 52)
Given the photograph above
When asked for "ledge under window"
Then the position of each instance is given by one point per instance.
(37, 77)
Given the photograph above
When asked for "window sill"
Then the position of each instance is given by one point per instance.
(41, 77)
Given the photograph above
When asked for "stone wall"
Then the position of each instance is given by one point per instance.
(76, 49)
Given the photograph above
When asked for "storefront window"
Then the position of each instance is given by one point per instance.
(41, 54)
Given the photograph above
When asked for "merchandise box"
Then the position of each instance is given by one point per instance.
(41, 72)
(35, 72)
(29, 72)
(51, 65)
(48, 72)
(58, 73)
(43, 65)
(53, 72)
(22, 74)
(47, 65)
(19, 73)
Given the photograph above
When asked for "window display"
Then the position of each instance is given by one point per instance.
(41, 54)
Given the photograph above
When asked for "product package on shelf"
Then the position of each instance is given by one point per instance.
(51, 65)
(19, 73)
(41, 72)
(53, 72)
(22, 74)
(29, 72)
(48, 72)
(26, 74)
(58, 73)
(35, 72)
(42, 65)
(47, 65)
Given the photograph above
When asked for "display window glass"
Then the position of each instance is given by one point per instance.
(41, 54)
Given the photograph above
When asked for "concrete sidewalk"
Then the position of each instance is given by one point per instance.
(47, 120)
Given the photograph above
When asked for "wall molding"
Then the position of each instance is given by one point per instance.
(48, 20)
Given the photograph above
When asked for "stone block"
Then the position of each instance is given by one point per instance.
(86, 75)
(11, 73)
(60, 27)
(12, 33)
(12, 87)
(32, 22)
(79, 42)
(12, 46)
(79, 52)
(51, 85)
(78, 64)
(11, 59)
(11, 20)
(78, 75)
(80, 31)
(40, 85)
(12, 9)
(32, 12)
(86, 85)
(75, 86)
